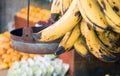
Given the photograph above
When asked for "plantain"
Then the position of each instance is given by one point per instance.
(63, 25)
(114, 27)
(112, 18)
(65, 38)
(64, 5)
(61, 47)
(81, 48)
(68, 40)
(110, 40)
(115, 4)
(113, 38)
(94, 45)
(55, 10)
(91, 12)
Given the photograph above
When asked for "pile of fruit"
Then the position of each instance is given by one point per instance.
(7, 54)
(92, 27)
(39, 66)
(36, 14)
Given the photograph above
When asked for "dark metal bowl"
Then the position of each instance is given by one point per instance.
(32, 47)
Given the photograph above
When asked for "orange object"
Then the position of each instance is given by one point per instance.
(36, 15)
(7, 54)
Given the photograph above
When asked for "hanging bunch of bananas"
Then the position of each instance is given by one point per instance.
(91, 27)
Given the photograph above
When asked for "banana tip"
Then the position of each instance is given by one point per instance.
(60, 50)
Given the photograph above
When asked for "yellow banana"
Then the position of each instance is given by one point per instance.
(65, 39)
(73, 37)
(63, 25)
(91, 12)
(112, 18)
(109, 43)
(62, 43)
(80, 47)
(94, 45)
(113, 37)
(114, 27)
(64, 5)
(115, 4)
(55, 10)
(68, 41)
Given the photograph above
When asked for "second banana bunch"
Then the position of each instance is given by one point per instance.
(91, 27)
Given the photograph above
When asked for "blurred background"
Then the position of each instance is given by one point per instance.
(8, 9)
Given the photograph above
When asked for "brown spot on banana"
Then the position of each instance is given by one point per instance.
(113, 2)
(77, 13)
(100, 50)
(90, 5)
(88, 26)
(115, 8)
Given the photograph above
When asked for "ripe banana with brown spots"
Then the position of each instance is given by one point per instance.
(94, 45)
(115, 4)
(63, 25)
(111, 16)
(81, 48)
(55, 10)
(68, 40)
(110, 42)
(64, 5)
(91, 12)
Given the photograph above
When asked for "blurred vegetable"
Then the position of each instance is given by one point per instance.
(39, 66)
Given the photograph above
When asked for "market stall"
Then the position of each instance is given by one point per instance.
(72, 38)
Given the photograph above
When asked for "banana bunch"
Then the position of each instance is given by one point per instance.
(111, 16)
(55, 10)
(94, 44)
(91, 27)
(68, 40)
(58, 8)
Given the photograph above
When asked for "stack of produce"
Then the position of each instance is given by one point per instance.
(7, 54)
(39, 66)
(36, 14)
(91, 27)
